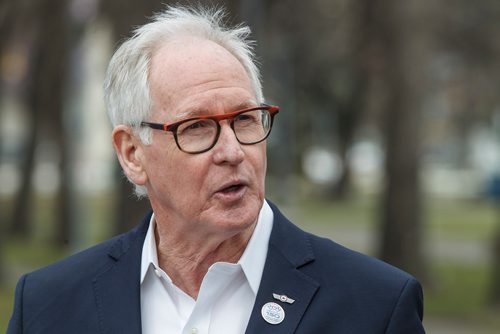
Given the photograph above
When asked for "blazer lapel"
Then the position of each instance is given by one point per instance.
(289, 250)
(117, 287)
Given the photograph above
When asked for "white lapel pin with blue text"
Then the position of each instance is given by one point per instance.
(273, 313)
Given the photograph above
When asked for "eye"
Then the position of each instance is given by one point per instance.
(247, 118)
(196, 127)
(243, 117)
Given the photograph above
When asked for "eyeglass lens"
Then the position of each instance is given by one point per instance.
(199, 134)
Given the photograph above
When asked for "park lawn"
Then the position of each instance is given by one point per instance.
(453, 220)
(461, 293)
(6, 300)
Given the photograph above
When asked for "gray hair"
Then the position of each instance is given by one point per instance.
(126, 88)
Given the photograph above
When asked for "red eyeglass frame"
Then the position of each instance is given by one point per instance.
(173, 126)
(273, 110)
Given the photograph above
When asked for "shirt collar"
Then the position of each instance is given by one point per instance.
(149, 254)
(252, 261)
(254, 257)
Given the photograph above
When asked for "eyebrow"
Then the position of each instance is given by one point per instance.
(200, 111)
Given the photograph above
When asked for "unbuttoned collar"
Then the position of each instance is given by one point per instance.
(149, 253)
(252, 261)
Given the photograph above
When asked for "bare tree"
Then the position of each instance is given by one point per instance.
(351, 100)
(317, 56)
(466, 33)
(45, 100)
(11, 30)
(7, 14)
(403, 46)
(19, 223)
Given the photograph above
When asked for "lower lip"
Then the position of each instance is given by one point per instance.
(234, 195)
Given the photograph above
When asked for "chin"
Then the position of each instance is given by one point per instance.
(240, 217)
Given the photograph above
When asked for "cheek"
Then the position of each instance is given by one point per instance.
(161, 164)
(259, 164)
(263, 156)
(185, 175)
(179, 185)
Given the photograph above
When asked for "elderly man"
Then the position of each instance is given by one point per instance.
(214, 256)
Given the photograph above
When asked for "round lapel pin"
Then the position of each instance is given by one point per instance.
(273, 313)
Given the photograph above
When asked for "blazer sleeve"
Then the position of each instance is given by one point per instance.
(408, 313)
(16, 321)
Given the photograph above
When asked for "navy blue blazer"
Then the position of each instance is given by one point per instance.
(336, 290)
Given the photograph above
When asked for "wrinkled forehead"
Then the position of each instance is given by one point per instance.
(206, 110)
(189, 74)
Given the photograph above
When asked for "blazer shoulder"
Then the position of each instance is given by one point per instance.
(388, 299)
(326, 260)
(67, 289)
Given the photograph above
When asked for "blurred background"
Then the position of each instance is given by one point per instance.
(388, 140)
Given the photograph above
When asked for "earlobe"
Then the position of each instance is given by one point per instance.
(129, 153)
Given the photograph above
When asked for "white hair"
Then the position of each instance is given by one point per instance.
(126, 87)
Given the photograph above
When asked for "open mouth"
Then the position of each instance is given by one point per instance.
(232, 188)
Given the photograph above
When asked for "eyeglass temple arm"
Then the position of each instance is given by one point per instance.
(272, 109)
(157, 126)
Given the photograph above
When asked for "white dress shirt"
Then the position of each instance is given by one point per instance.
(227, 293)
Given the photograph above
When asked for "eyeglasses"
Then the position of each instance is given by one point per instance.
(199, 134)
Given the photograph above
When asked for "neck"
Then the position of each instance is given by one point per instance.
(187, 260)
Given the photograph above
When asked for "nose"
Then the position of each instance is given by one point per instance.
(227, 150)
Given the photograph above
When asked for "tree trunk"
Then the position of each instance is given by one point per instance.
(19, 224)
(404, 48)
(46, 98)
(352, 107)
(50, 83)
(20, 221)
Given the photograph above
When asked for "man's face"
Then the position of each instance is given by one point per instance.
(218, 191)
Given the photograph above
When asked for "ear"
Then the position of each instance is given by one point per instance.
(130, 154)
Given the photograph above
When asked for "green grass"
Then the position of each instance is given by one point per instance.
(6, 299)
(357, 213)
(460, 293)
(31, 254)
(457, 290)
(463, 220)
(454, 220)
